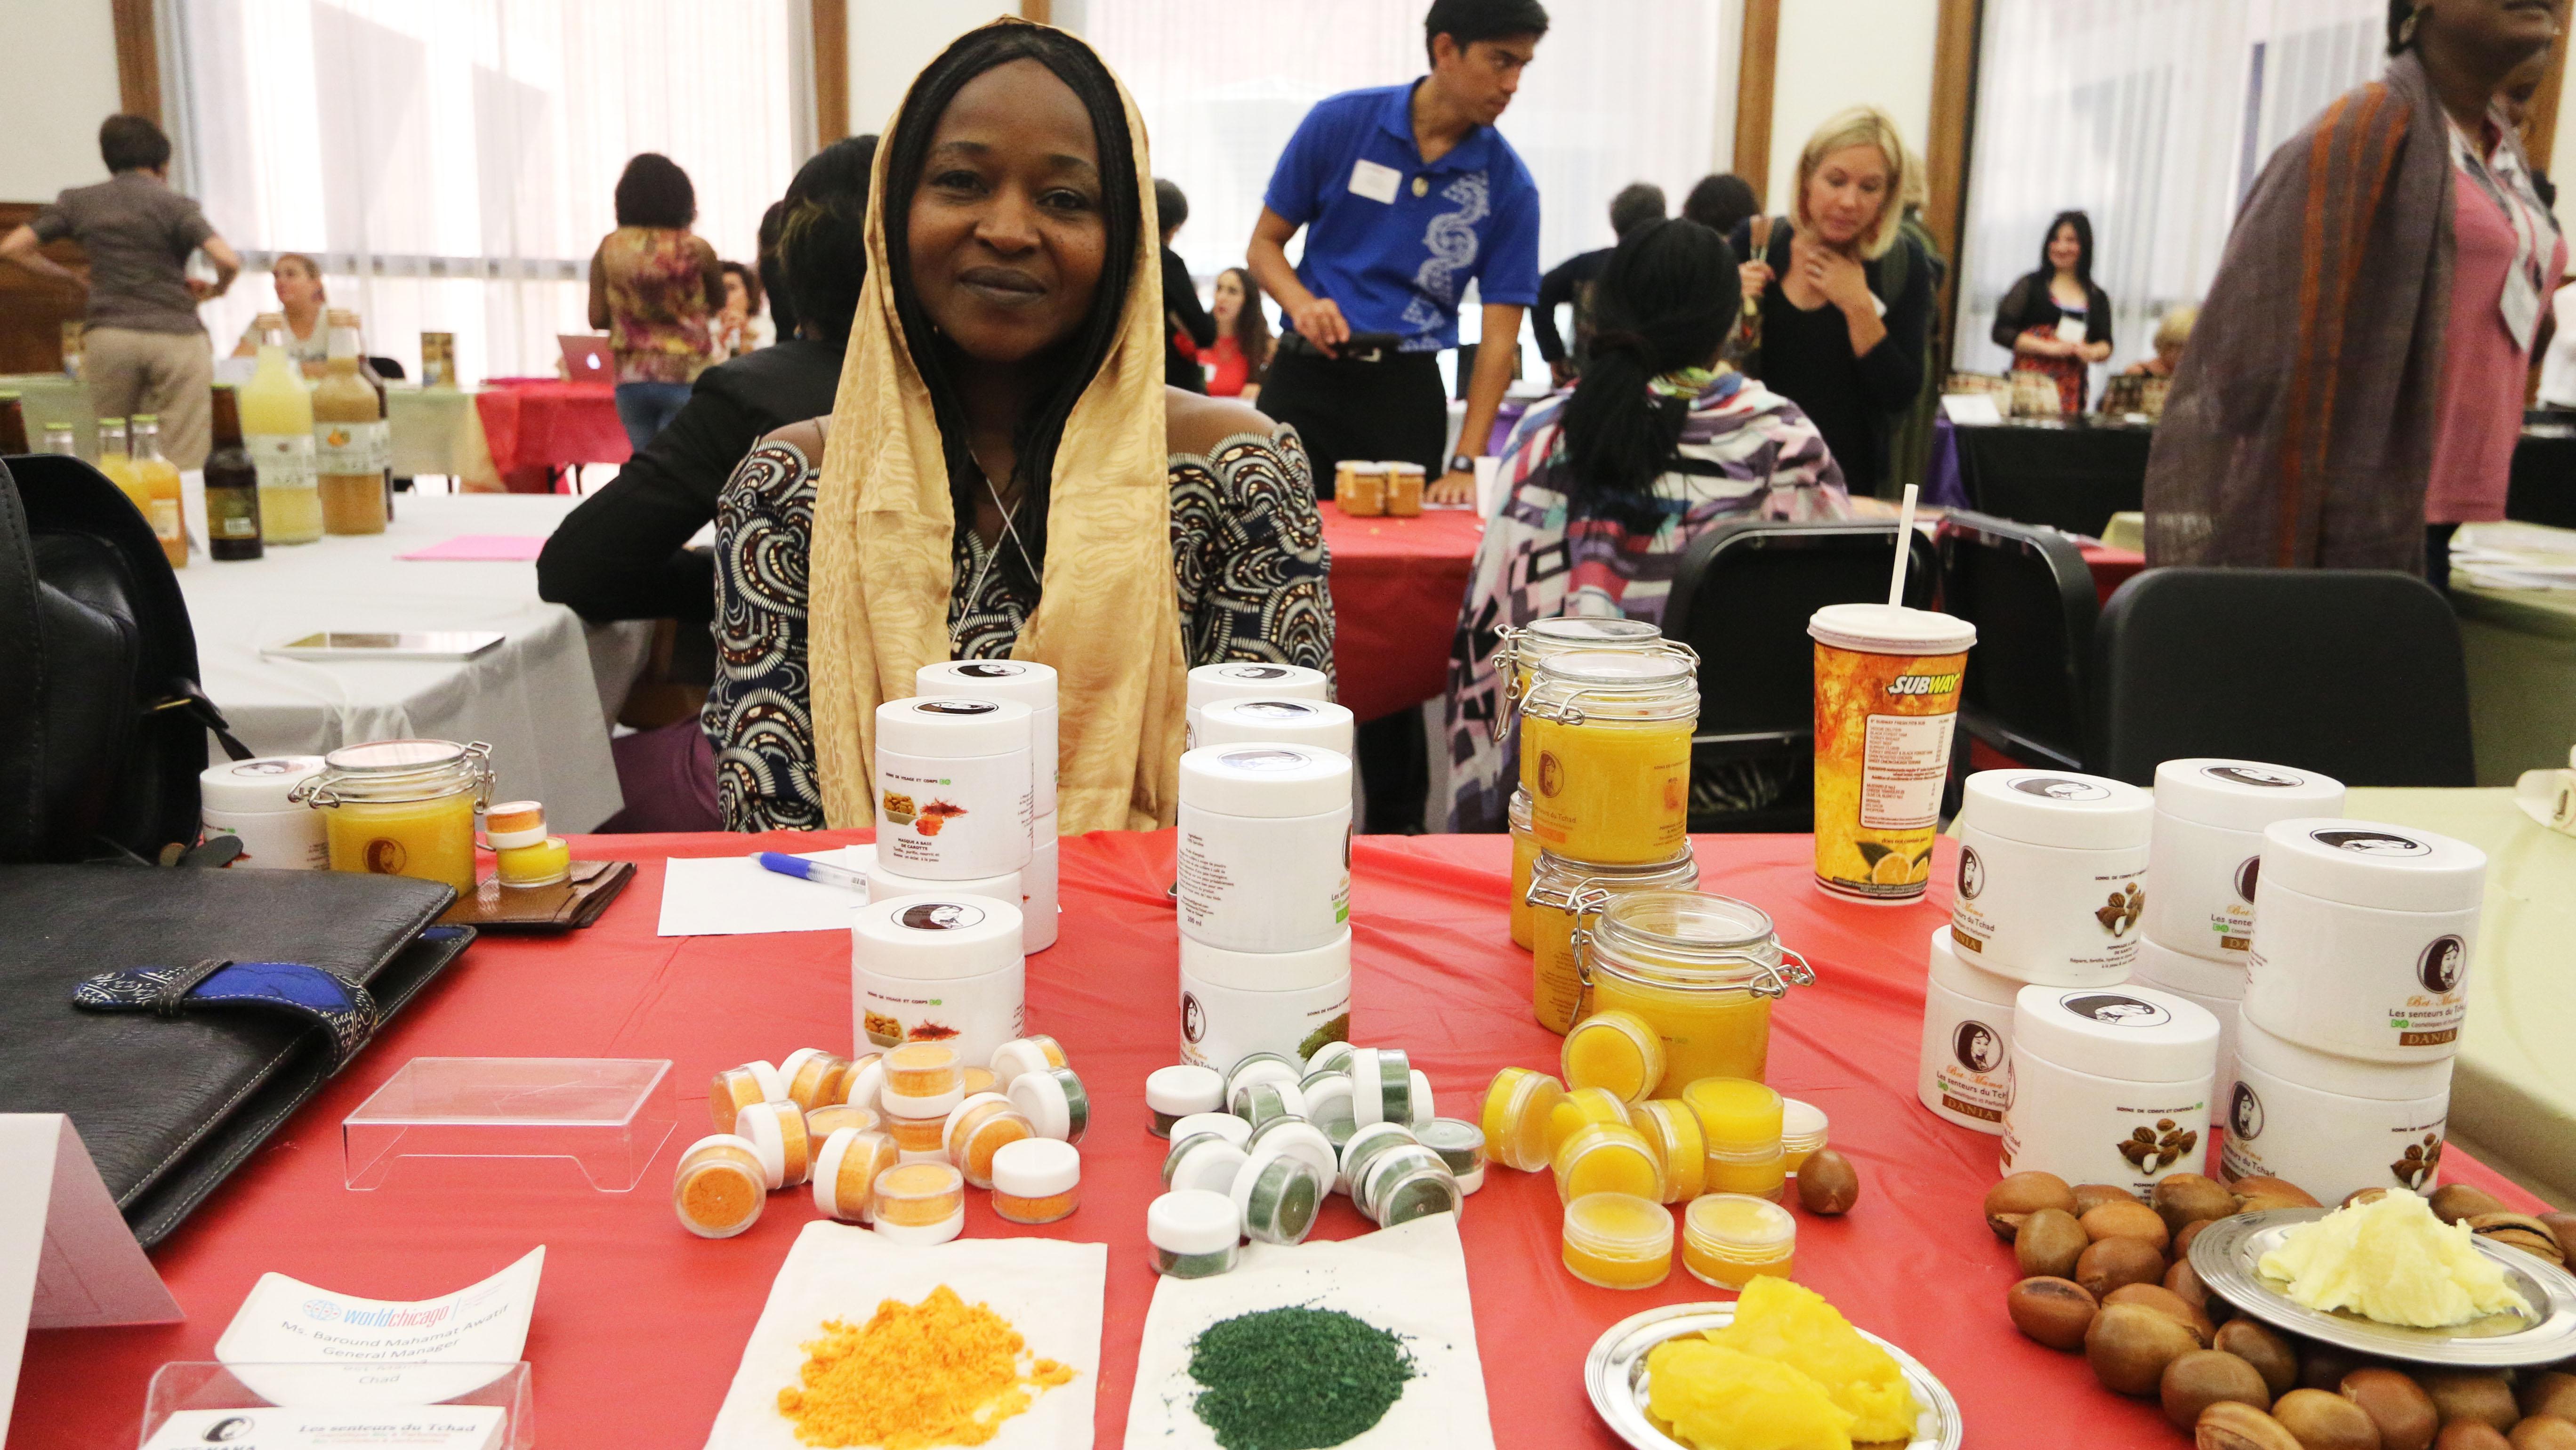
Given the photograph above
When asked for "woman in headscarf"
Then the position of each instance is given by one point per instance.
(2353, 390)
(1659, 443)
(1005, 472)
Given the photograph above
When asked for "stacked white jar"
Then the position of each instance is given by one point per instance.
(1029, 683)
(937, 966)
(1964, 1073)
(1265, 889)
(2109, 1085)
(247, 800)
(2356, 989)
(1319, 723)
(1247, 680)
(2216, 988)
(2052, 876)
(955, 790)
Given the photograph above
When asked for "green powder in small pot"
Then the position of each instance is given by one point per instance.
(1296, 1379)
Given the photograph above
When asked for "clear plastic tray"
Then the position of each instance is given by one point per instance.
(212, 1396)
(608, 1114)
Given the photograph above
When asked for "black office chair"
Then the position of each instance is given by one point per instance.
(1742, 599)
(2070, 476)
(2542, 485)
(2031, 597)
(2356, 673)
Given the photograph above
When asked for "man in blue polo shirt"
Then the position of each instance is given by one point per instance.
(1406, 193)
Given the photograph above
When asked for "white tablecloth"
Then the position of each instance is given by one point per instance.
(545, 699)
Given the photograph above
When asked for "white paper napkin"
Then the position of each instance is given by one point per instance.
(1410, 1280)
(1050, 1291)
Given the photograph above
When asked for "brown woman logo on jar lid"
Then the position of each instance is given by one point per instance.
(1266, 758)
(2254, 775)
(386, 857)
(2059, 788)
(955, 707)
(991, 670)
(1254, 672)
(1978, 1048)
(940, 916)
(2115, 1010)
(2371, 843)
(1276, 709)
(2439, 967)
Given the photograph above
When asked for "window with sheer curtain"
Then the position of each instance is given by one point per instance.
(2153, 117)
(452, 165)
(1641, 90)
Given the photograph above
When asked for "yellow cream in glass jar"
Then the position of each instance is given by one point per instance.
(403, 808)
(1564, 896)
(1605, 754)
(1524, 860)
(1701, 970)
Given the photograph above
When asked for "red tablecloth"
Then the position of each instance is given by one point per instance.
(639, 1327)
(2111, 567)
(1397, 585)
(540, 426)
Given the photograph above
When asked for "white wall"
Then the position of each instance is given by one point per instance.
(1838, 53)
(890, 41)
(62, 84)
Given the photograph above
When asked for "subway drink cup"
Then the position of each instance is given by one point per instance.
(1887, 698)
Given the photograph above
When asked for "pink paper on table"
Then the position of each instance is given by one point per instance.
(483, 549)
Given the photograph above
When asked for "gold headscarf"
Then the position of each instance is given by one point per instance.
(1107, 619)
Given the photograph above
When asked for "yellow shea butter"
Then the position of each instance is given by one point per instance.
(1780, 1320)
(2392, 1261)
(1716, 1398)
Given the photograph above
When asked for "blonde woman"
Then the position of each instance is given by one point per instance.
(298, 280)
(1845, 299)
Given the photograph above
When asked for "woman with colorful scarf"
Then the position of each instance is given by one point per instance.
(1658, 443)
(2353, 391)
(1005, 473)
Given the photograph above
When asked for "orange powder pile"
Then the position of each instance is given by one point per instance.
(941, 1372)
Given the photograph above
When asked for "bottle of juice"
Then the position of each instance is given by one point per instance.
(159, 478)
(118, 464)
(277, 428)
(349, 437)
(232, 487)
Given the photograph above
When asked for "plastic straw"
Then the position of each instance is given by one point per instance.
(1904, 548)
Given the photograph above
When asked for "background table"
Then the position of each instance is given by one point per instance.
(436, 431)
(639, 1327)
(539, 427)
(544, 699)
(2513, 1095)
(1397, 588)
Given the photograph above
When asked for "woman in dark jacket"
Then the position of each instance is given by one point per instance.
(1845, 300)
(2055, 320)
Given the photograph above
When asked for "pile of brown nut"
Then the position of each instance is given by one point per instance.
(2110, 1275)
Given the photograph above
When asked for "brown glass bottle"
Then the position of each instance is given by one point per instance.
(232, 487)
(13, 425)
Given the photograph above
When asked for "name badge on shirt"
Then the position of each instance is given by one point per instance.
(1377, 183)
(2521, 307)
(2070, 329)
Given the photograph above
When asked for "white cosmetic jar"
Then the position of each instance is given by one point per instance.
(2216, 987)
(1319, 723)
(1265, 842)
(2208, 843)
(1246, 680)
(1024, 682)
(247, 800)
(2110, 1085)
(2362, 938)
(940, 967)
(952, 785)
(2051, 876)
(1234, 1004)
(1964, 1073)
(2332, 1125)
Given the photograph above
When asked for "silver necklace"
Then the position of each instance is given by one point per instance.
(975, 587)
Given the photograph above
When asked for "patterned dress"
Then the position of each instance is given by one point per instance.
(1248, 562)
(657, 303)
(1745, 452)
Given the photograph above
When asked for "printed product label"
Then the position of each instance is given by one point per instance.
(1221, 1026)
(1264, 885)
(1883, 725)
(2341, 1144)
(2431, 1016)
(973, 1014)
(230, 520)
(352, 448)
(1970, 1078)
(2039, 914)
(166, 524)
(2072, 1126)
(2233, 922)
(285, 460)
(274, 840)
(2381, 985)
(952, 820)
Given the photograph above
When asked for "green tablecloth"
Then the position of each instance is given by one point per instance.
(435, 430)
(2521, 650)
(2513, 1094)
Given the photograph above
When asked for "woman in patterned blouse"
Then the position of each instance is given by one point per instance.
(1659, 443)
(1007, 213)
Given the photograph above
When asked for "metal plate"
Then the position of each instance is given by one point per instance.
(2227, 1252)
(1614, 1374)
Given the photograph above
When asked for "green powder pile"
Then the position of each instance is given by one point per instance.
(1296, 1379)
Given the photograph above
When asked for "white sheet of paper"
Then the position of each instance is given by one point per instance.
(1410, 1280)
(733, 895)
(1377, 183)
(447, 1427)
(427, 1349)
(1049, 1290)
(1971, 410)
(67, 1259)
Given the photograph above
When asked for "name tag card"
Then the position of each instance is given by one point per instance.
(1377, 183)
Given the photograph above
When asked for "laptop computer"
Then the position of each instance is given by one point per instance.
(585, 357)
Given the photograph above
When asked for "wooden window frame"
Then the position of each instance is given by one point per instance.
(830, 48)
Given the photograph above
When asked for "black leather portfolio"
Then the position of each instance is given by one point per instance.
(169, 1105)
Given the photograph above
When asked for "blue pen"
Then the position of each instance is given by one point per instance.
(814, 871)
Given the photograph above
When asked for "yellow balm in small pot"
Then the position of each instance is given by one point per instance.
(1615, 1050)
(1618, 1241)
(1516, 1117)
(1608, 1158)
(1580, 1109)
(1728, 1239)
(1672, 1131)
